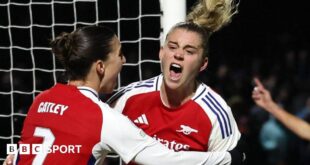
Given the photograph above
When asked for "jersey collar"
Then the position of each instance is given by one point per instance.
(88, 89)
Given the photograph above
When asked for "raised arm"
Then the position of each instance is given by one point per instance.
(262, 98)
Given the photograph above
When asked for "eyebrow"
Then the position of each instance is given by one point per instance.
(186, 46)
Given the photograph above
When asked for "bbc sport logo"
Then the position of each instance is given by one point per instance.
(39, 148)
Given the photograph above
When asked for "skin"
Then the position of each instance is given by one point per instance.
(182, 47)
(263, 99)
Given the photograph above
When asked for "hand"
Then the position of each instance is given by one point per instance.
(261, 96)
(238, 154)
(9, 160)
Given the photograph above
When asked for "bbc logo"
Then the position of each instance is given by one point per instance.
(37, 148)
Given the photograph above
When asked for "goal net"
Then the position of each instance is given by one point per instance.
(27, 66)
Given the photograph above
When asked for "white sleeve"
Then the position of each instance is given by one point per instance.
(219, 143)
(131, 143)
(159, 154)
(120, 134)
(224, 134)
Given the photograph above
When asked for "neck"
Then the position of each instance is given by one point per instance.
(174, 98)
(83, 83)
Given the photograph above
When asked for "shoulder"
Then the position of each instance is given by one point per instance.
(219, 113)
(53, 93)
(205, 95)
(136, 88)
(212, 104)
(94, 99)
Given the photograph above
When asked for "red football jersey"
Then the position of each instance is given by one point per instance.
(204, 123)
(64, 118)
(83, 128)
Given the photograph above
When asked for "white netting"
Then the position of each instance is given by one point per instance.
(27, 67)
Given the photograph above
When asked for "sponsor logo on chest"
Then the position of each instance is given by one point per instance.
(172, 144)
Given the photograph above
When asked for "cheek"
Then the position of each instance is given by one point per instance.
(193, 64)
(116, 66)
(166, 54)
(113, 71)
(165, 60)
(164, 64)
(119, 66)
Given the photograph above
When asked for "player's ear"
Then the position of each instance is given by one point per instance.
(204, 64)
(100, 67)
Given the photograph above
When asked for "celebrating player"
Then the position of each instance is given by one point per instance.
(75, 127)
(174, 107)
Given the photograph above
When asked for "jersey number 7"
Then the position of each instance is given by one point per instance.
(48, 140)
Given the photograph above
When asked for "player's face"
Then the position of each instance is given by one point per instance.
(113, 66)
(181, 59)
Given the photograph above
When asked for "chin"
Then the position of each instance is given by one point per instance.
(172, 84)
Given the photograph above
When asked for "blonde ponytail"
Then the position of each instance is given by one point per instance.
(212, 14)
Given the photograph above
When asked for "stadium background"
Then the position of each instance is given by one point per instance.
(266, 39)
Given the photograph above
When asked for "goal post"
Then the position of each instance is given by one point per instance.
(174, 11)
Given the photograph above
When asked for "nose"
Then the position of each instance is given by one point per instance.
(123, 59)
(179, 54)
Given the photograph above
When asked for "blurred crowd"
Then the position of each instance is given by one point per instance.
(286, 74)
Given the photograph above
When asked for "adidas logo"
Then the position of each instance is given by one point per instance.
(141, 120)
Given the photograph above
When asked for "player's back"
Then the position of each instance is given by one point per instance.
(65, 119)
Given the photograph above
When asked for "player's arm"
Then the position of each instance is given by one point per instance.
(158, 154)
(132, 144)
(262, 98)
(225, 135)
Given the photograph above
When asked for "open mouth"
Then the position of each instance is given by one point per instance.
(175, 71)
